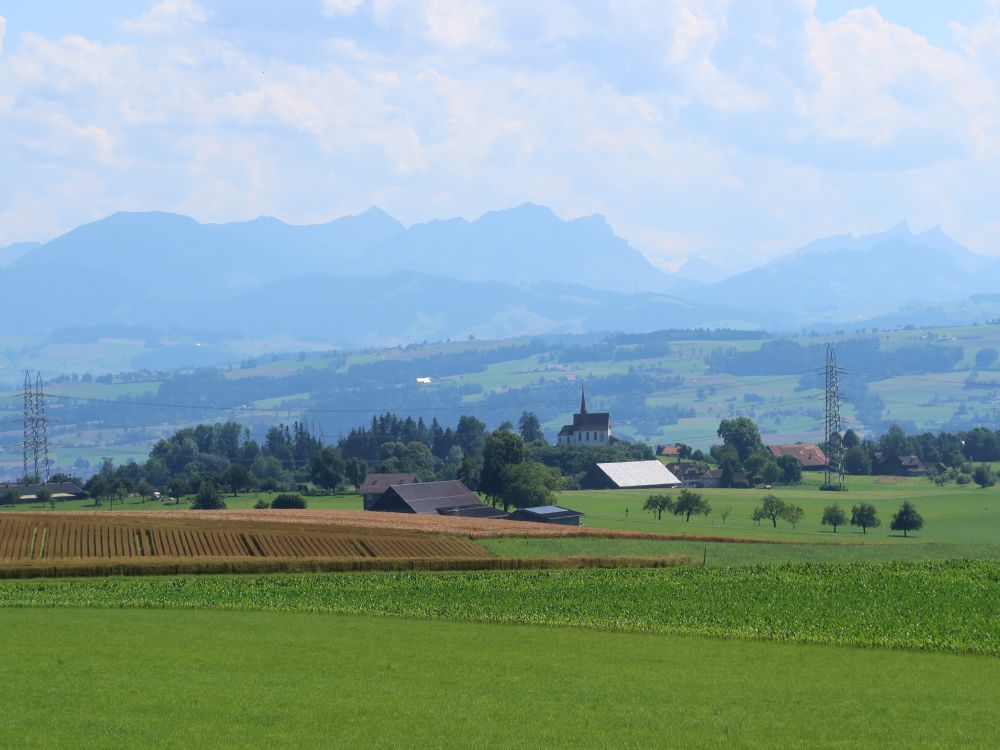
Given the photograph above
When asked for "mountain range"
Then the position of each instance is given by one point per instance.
(370, 280)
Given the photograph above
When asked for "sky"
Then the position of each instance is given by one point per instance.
(733, 131)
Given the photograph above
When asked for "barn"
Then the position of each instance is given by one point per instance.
(375, 484)
(810, 455)
(622, 475)
(548, 514)
(449, 498)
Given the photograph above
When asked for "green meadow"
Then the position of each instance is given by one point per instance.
(211, 679)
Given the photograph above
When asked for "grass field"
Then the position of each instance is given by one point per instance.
(99, 678)
(951, 606)
(953, 514)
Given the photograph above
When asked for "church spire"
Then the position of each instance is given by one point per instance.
(583, 402)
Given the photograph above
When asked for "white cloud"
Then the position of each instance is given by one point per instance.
(334, 8)
(3, 28)
(168, 16)
(696, 126)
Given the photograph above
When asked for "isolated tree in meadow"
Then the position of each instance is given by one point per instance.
(724, 513)
(792, 514)
(529, 427)
(907, 519)
(356, 471)
(771, 508)
(657, 504)
(984, 476)
(691, 504)
(865, 516)
(834, 515)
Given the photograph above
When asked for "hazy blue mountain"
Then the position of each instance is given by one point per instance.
(10, 253)
(848, 278)
(184, 260)
(523, 245)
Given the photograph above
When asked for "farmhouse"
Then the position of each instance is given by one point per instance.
(588, 428)
(889, 464)
(548, 514)
(449, 498)
(375, 484)
(27, 493)
(629, 475)
(810, 455)
(671, 451)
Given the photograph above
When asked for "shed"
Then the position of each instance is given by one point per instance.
(428, 498)
(629, 475)
(548, 514)
(375, 484)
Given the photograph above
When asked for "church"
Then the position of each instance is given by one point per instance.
(588, 428)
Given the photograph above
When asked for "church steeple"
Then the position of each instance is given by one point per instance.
(583, 402)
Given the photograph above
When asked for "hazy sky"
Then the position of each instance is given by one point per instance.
(729, 129)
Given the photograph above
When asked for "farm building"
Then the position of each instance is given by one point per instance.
(671, 451)
(889, 464)
(548, 514)
(629, 475)
(27, 493)
(449, 498)
(375, 484)
(810, 455)
(588, 428)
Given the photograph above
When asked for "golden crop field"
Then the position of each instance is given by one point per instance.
(67, 537)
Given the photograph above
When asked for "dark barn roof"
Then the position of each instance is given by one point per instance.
(473, 511)
(378, 483)
(426, 497)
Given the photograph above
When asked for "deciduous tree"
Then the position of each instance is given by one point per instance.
(834, 515)
(657, 504)
(792, 514)
(907, 519)
(771, 508)
(865, 516)
(691, 503)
